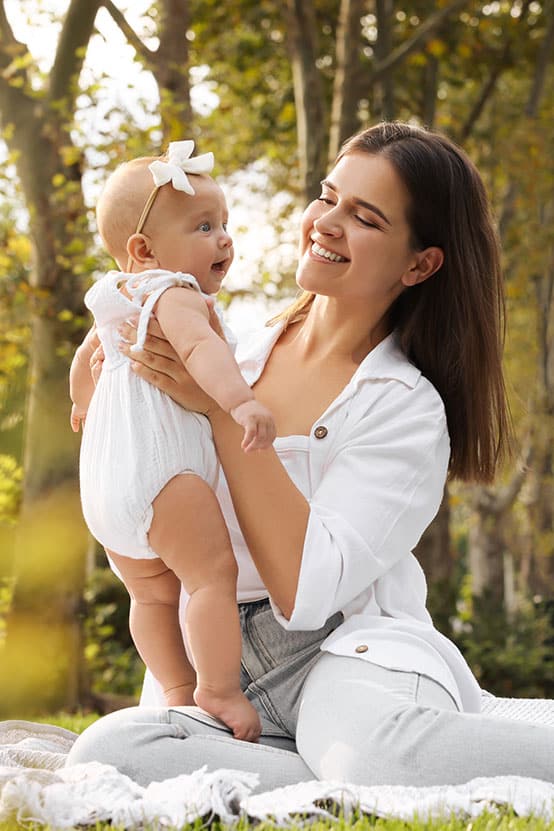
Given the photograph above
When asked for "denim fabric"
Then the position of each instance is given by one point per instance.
(276, 663)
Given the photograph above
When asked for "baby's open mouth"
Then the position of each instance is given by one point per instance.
(220, 266)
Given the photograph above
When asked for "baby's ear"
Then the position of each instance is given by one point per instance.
(139, 249)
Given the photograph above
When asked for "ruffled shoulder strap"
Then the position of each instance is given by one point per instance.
(147, 289)
(99, 299)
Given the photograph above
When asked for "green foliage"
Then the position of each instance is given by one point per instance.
(511, 655)
(6, 595)
(111, 658)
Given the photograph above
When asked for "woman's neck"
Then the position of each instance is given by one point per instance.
(329, 329)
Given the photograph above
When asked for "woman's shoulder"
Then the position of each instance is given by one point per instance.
(390, 389)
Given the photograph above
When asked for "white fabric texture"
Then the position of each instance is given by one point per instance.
(34, 786)
(135, 438)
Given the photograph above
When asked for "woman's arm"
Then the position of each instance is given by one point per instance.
(272, 512)
(373, 498)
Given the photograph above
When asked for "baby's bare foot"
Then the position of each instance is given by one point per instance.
(181, 696)
(234, 710)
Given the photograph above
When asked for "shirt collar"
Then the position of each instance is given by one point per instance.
(388, 361)
(385, 361)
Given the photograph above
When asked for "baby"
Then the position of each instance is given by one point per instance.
(148, 467)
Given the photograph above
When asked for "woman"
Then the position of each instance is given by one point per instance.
(383, 377)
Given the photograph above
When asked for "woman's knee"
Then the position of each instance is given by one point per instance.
(113, 738)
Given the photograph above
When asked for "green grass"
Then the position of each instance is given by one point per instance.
(75, 721)
(485, 822)
(503, 820)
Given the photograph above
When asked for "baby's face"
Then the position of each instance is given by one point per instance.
(190, 233)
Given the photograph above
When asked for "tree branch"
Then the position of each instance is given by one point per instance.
(13, 77)
(134, 40)
(7, 37)
(497, 502)
(433, 22)
(70, 53)
(10, 47)
(543, 58)
(490, 84)
(531, 108)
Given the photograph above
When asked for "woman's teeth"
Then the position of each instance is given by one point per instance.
(329, 255)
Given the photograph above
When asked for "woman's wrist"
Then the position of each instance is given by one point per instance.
(216, 415)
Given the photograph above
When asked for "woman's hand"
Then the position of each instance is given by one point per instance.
(96, 364)
(159, 364)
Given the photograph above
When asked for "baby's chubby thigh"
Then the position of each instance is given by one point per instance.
(188, 531)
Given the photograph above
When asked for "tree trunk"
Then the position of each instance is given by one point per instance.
(42, 666)
(491, 506)
(542, 511)
(486, 545)
(431, 84)
(311, 117)
(384, 89)
(438, 560)
(170, 67)
(346, 86)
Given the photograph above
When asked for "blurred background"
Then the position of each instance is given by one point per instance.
(272, 87)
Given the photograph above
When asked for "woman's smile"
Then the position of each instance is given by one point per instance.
(320, 253)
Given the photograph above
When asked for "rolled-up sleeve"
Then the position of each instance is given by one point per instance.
(377, 493)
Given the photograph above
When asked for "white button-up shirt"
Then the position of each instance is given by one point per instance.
(373, 470)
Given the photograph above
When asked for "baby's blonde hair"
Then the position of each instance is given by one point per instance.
(120, 205)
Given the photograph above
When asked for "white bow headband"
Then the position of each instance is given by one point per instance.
(174, 170)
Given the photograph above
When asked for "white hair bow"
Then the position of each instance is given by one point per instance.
(178, 164)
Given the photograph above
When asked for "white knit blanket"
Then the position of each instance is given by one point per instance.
(35, 786)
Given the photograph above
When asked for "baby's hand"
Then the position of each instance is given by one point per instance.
(78, 416)
(258, 424)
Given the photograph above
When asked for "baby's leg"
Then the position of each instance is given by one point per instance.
(189, 533)
(154, 625)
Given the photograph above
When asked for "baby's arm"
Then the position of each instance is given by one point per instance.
(81, 384)
(184, 317)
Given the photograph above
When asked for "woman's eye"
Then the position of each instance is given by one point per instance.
(367, 222)
(325, 199)
(205, 226)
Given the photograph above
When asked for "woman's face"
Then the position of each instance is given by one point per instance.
(355, 242)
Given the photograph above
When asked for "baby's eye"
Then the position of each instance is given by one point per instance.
(205, 226)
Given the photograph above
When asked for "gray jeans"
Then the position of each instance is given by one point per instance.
(352, 720)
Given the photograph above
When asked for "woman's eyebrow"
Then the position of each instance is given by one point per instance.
(360, 202)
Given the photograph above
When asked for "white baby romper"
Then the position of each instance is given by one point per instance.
(135, 437)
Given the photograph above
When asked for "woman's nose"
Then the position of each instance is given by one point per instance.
(329, 223)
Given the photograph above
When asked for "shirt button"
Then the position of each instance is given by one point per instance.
(361, 648)
(320, 432)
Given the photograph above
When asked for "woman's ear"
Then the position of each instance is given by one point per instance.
(139, 249)
(427, 262)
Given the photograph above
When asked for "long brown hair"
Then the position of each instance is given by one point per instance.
(452, 325)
